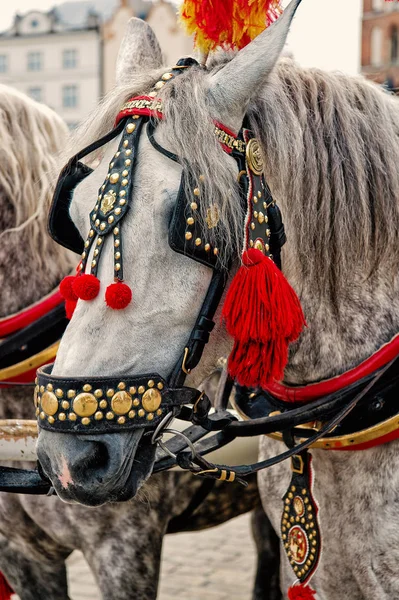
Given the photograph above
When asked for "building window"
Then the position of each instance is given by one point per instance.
(70, 96)
(376, 47)
(36, 93)
(70, 59)
(3, 63)
(394, 45)
(35, 60)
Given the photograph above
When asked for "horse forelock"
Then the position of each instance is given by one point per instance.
(331, 152)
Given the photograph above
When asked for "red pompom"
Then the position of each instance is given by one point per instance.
(66, 290)
(70, 306)
(6, 590)
(301, 592)
(86, 287)
(263, 315)
(118, 295)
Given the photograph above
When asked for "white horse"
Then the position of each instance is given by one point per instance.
(331, 152)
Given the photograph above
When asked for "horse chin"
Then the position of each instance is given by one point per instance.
(100, 485)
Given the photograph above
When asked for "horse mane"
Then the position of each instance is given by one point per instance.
(31, 135)
(331, 150)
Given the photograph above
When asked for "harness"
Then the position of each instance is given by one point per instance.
(355, 410)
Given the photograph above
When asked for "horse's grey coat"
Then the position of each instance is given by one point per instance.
(331, 154)
(123, 542)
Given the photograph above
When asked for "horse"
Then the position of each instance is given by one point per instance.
(37, 534)
(329, 144)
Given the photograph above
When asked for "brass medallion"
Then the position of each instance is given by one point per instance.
(254, 157)
(49, 403)
(85, 405)
(121, 402)
(151, 400)
(107, 203)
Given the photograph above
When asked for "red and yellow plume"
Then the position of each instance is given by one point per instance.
(227, 23)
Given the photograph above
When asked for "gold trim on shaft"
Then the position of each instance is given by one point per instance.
(35, 361)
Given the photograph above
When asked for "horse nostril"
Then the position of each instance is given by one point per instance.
(95, 461)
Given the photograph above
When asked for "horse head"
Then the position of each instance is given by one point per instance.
(106, 349)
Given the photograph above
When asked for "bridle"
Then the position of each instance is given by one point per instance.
(149, 401)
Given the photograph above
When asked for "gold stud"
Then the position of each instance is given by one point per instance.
(99, 241)
(198, 242)
(121, 403)
(97, 222)
(111, 219)
(85, 404)
(125, 181)
(50, 420)
(62, 416)
(259, 246)
(125, 144)
(110, 415)
(132, 414)
(141, 389)
(49, 387)
(83, 254)
(196, 191)
(87, 387)
(65, 404)
(117, 267)
(136, 402)
(49, 403)
(114, 178)
(159, 412)
(122, 385)
(122, 202)
(103, 404)
(132, 390)
(159, 85)
(150, 416)
(207, 247)
(111, 166)
(151, 383)
(167, 76)
(251, 243)
(117, 154)
(121, 420)
(102, 226)
(98, 393)
(110, 393)
(59, 393)
(193, 206)
(290, 495)
(95, 253)
(188, 235)
(160, 385)
(118, 210)
(42, 415)
(255, 214)
(98, 415)
(215, 251)
(116, 231)
(117, 255)
(85, 421)
(190, 221)
(141, 412)
(125, 173)
(151, 400)
(72, 417)
(131, 127)
(93, 263)
(255, 200)
(252, 226)
(128, 152)
(128, 162)
(87, 244)
(261, 218)
(264, 205)
(122, 193)
(267, 247)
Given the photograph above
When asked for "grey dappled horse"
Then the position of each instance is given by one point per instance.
(331, 151)
(121, 542)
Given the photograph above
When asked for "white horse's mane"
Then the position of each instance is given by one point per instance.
(331, 153)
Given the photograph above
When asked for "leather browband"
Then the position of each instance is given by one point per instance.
(313, 391)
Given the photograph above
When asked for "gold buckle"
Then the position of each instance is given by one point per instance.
(183, 367)
(300, 469)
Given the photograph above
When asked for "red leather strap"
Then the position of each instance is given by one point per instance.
(313, 391)
(25, 317)
(144, 106)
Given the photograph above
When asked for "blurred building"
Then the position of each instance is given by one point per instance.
(380, 42)
(66, 57)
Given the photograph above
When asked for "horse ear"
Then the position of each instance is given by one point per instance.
(139, 50)
(232, 87)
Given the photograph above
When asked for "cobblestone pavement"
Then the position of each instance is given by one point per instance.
(216, 564)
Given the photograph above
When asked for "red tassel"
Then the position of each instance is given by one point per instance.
(6, 590)
(118, 295)
(301, 592)
(263, 314)
(66, 290)
(70, 306)
(86, 287)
